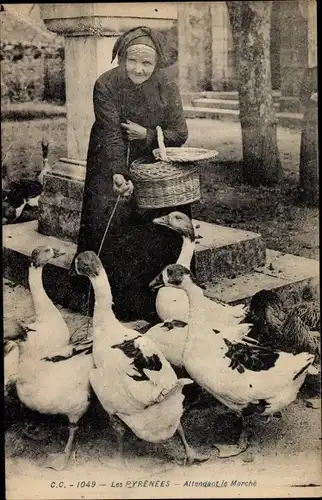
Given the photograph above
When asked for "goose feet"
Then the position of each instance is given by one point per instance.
(227, 451)
(191, 456)
(119, 457)
(59, 461)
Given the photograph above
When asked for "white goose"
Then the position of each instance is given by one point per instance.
(173, 306)
(49, 327)
(132, 379)
(246, 378)
(11, 363)
(173, 303)
(46, 381)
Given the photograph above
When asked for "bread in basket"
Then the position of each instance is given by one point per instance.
(171, 181)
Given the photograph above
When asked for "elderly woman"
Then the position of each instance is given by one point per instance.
(130, 101)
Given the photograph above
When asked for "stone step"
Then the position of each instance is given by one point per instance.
(211, 113)
(293, 278)
(285, 119)
(230, 94)
(220, 251)
(220, 103)
(188, 97)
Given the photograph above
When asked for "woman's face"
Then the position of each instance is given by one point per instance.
(140, 63)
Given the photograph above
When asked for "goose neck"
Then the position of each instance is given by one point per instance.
(45, 165)
(40, 298)
(186, 254)
(197, 316)
(104, 319)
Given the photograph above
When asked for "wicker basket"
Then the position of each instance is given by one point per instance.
(171, 181)
(164, 184)
(189, 155)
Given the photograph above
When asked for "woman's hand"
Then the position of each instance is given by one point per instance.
(121, 186)
(134, 131)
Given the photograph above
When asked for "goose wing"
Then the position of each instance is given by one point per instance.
(262, 373)
(170, 337)
(224, 313)
(83, 346)
(145, 374)
(245, 356)
(308, 312)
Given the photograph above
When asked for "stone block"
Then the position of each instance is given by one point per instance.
(61, 202)
(293, 278)
(61, 220)
(223, 251)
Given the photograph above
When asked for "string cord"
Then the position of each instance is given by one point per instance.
(103, 239)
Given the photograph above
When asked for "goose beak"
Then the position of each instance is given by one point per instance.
(162, 221)
(157, 282)
(57, 253)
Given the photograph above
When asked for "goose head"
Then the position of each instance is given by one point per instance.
(175, 276)
(45, 162)
(43, 254)
(88, 264)
(179, 222)
(266, 308)
(44, 148)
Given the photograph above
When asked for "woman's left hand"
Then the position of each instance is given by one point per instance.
(134, 131)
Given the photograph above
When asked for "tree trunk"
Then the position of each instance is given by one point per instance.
(250, 23)
(309, 153)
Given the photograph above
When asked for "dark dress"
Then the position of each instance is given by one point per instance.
(135, 250)
(309, 168)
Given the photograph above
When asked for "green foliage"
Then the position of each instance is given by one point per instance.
(18, 51)
(23, 72)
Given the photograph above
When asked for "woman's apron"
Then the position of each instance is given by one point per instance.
(134, 251)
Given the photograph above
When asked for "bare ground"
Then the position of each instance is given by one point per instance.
(284, 453)
(275, 213)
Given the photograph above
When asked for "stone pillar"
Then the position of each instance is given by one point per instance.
(90, 30)
(220, 46)
(194, 46)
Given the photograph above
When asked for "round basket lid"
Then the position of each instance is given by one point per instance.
(186, 155)
(145, 170)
